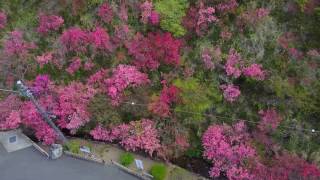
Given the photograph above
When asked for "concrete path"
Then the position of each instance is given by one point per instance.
(29, 164)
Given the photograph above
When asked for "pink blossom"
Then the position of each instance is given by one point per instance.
(138, 135)
(255, 71)
(154, 18)
(72, 105)
(233, 64)
(206, 15)
(3, 20)
(124, 76)
(31, 118)
(49, 23)
(168, 96)
(230, 92)
(105, 12)
(270, 120)
(228, 149)
(146, 11)
(74, 66)
(16, 45)
(314, 53)
(97, 80)
(207, 60)
(42, 84)
(100, 40)
(12, 121)
(150, 51)
(74, 40)
(123, 13)
(227, 5)
(44, 58)
(226, 35)
(88, 65)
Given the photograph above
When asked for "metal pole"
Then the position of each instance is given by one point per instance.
(24, 91)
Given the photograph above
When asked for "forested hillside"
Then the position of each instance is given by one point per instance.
(225, 88)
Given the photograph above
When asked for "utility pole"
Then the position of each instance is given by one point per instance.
(25, 92)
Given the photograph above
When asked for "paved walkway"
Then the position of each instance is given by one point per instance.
(29, 164)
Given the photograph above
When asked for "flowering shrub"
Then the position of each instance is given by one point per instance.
(42, 85)
(255, 71)
(105, 12)
(124, 76)
(233, 65)
(32, 119)
(205, 17)
(100, 40)
(44, 58)
(74, 40)
(15, 45)
(168, 96)
(136, 135)
(3, 20)
(227, 6)
(270, 120)
(72, 105)
(230, 92)
(154, 49)
(228, 149)
(207, 59)
(74, 66)
(49, 23)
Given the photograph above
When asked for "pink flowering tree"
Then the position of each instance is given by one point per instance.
(74, 66)
(230, 92)
(229, 150)
(206, 16)
(137, 135)
(48, 23)
(45, 58)
(168, 96)
(124, 76)
(156, 48)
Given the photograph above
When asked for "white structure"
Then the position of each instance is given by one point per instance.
(14, 140)
(139, 164)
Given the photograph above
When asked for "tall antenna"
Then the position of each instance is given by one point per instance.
(25, 92)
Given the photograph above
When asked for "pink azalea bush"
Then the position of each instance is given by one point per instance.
(48, 23)
(154, 49)
(42, 85)
(206, 16)
(168, 96)
(44, 58)
(15, 45)
(227, 6)
(207, 60)
(72, 105)
(32, 119)
(124, 76)
(105, 12)
(270, 120)
(233, 65)
(100, 40)
(228, 149)
(3, 20)
(230, 92)
(255, 71)
(133, 136)
(74, 39)
(74, 66)
(9, 115)
(148, 14)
